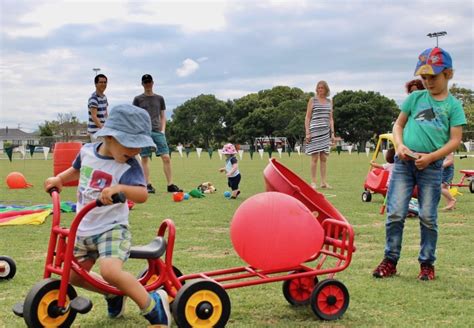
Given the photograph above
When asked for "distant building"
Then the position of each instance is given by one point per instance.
(17, 137)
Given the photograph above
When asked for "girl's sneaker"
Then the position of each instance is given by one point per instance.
(160, 315)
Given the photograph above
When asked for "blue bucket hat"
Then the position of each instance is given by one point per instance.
(129, 125)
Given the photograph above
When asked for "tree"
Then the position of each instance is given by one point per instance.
(358, 115)
(265, 113)
(199, 121)
(467, 98)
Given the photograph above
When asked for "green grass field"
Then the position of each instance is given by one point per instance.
(203, 244)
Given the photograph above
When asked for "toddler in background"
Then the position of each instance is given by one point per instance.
(231, 169)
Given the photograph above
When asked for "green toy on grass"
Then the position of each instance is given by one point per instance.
(196, 194)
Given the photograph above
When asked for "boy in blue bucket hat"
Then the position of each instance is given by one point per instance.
(103, 169)
(428, 128)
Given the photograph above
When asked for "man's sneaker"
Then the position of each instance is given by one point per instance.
(427, 272)
(385, 269)
(150, 188)
(115, 306)
(174, 188)
(160, 315)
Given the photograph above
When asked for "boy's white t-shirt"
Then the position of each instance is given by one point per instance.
(96, 173)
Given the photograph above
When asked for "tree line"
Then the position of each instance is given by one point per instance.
(207, 122)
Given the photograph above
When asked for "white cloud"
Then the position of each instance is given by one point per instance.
(141, 50)
(188, 67)
(190, 16)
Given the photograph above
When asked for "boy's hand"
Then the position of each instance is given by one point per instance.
(404, 153)
(53, 182)
(423, 161)
(106, 195)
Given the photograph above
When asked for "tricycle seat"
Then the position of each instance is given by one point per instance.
(153, 250)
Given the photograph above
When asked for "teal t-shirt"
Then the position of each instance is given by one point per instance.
(429, 120)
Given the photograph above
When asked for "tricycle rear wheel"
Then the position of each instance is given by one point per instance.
(201, 303)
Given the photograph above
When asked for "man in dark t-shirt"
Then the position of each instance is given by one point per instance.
(155, 106)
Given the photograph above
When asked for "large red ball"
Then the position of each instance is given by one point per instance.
(272, 230)
(16, 180)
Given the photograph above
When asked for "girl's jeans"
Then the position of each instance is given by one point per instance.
(404, 177)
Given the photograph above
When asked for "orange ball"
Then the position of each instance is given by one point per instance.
(178, 196)
(16, 180)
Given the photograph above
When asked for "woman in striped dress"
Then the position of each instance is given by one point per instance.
(319, 125)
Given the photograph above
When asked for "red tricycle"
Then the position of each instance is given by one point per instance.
(199, 299)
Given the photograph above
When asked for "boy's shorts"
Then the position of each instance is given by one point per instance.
(448, 175)
(114, 243)
(161, 145)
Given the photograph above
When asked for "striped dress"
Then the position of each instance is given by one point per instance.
(319, 128)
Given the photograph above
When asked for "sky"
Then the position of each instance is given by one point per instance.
(48, 49)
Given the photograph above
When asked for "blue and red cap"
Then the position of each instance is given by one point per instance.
(433, 61)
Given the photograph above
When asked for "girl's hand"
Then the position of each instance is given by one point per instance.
(308, 137)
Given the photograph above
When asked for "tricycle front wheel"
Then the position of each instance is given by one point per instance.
(40, 308)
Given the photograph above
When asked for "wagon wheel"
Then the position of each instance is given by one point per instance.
(329, 299)
(40, 308)
(471, 186)
(201, 303)
(297, 291)
(366, 196)
(7, 268)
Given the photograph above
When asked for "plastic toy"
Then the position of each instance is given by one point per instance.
(186, 196)
(227, 194)
(7, 268)
(201, 299)
(16, 180)
(376, 180)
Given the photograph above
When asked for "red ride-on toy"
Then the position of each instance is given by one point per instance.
(467, 180)
(201, 299)
(376, 180)
(7, 268)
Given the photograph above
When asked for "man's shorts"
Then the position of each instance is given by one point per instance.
(161, 145)
(113, 243)
(448, 175)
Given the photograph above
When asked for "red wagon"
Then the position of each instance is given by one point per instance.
(200, 299)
